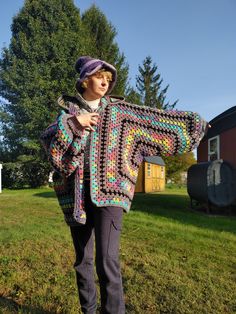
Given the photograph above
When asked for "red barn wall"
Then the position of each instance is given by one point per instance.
(227, 148)
(202, 151)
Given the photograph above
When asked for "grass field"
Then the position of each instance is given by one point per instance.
(173, 260)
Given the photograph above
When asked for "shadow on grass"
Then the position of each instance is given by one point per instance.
(177, 207)
(10, 306)
(50, 194)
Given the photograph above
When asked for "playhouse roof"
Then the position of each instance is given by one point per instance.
(155, 160)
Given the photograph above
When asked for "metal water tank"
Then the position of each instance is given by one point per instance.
(212, 182)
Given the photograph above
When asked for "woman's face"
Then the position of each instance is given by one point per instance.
(97, 86)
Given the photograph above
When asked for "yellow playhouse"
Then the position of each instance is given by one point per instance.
(151, 176)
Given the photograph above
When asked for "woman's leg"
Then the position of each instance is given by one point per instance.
(83, 240)
(107, 223)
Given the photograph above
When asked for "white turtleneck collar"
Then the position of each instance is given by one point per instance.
(93, 103)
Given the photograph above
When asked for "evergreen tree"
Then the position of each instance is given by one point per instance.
(132, 96)
(101, 36)
(47, 38)
(36, 68)
(148, 83)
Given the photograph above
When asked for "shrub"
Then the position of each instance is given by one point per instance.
(13, 175)
(17, 175)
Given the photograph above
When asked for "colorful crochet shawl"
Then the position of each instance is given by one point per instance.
(125, 134)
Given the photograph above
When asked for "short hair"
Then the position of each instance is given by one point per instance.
(103, 71)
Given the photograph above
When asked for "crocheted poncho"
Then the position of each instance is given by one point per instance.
(125, 134)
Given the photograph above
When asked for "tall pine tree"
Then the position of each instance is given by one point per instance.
(36, 68)
(47, 38)
(101, 34)
(148, 83)
(133, 96)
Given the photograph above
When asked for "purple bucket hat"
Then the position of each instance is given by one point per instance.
(87, 66)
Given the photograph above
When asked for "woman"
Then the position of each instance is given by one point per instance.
(96, 146)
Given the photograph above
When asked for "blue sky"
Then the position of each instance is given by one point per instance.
(193, 42)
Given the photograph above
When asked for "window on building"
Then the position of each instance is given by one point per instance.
(214, 148)
(149, 170)
(162, 172)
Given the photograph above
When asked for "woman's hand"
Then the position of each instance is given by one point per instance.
(88, 120)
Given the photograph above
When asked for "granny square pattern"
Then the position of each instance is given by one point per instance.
(125, 134)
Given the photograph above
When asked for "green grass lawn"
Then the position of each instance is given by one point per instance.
(173, 260)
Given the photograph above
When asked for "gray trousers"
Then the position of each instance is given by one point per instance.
(104, 226)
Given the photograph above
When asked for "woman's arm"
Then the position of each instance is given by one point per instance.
(175, 132)
(63, 142)
(143, 131)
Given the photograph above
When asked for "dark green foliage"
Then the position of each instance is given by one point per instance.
(12, 175)
(102, 45)
(27, 173)
(133, 97)
(38, 66)
(148, 83)
(35, 69)
(40, 173)
(46, 38)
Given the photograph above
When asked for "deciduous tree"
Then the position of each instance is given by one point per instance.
(175, 165)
